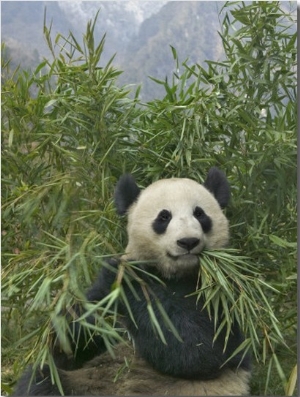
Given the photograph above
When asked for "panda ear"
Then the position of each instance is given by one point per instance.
(216, 182)
(126, 193)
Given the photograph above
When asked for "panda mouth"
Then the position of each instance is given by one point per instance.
(177, 257)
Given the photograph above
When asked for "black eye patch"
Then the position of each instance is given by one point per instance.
(204, 220)
(161, 222)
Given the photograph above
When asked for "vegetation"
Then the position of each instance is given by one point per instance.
(69, 131)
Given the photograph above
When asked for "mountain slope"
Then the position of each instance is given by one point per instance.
(189, 26)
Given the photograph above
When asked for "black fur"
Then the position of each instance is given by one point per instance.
(126, 193)
(216, 182)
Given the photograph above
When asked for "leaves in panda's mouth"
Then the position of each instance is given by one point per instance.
(227, 281)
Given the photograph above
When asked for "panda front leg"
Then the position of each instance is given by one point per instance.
(36, 383)
(84, 347)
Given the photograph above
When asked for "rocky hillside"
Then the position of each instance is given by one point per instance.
(191, 27)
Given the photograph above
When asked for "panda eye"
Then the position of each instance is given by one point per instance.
(164, 216)
(161, 222)
(204, 220)
(198, 213)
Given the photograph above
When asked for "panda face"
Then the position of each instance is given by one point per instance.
(171, 222)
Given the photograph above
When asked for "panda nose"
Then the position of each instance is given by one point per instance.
(188, 243)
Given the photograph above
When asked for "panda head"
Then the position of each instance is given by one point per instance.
(173, 220)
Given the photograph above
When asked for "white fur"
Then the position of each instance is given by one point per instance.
(180, 197)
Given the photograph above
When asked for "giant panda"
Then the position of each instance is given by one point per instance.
(169, 224)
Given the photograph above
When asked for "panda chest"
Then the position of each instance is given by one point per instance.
(183, 295)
